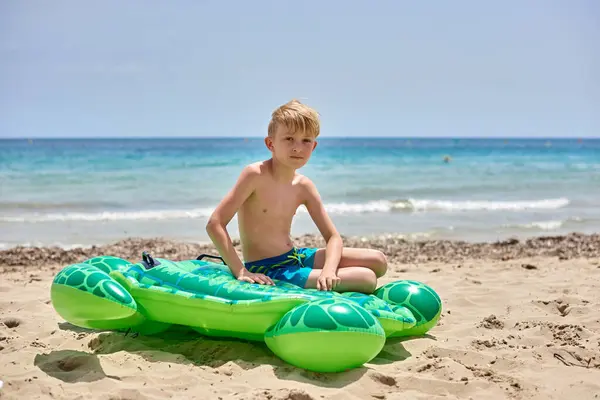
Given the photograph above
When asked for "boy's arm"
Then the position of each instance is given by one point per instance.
(316, 209)
(222, 215)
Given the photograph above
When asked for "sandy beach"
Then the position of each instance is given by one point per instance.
(520, 321)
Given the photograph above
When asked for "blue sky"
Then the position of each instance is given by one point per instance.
(381, 68)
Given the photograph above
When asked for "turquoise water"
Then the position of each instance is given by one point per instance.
(89, 191)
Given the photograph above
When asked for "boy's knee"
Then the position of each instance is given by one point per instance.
(358, 279)
(367, 281)
(370, 283)
(380, 267)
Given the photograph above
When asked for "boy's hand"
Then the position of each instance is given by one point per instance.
(248, 276)
(328, 280)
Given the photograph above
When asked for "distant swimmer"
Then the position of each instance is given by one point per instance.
(447, 159)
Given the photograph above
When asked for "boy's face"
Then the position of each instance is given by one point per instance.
(291, 149)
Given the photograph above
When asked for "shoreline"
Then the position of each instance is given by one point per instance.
(398, 250)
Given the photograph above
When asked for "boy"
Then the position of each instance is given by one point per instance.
(266, 197)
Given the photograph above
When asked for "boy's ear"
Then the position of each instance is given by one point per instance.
(269, 143)
(314, 144)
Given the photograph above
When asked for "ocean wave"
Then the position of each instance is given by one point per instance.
(549, 225)
(446, 205)
(43, 206)
(379, 206)
(485, 205)
(72, 246)
(111, 216)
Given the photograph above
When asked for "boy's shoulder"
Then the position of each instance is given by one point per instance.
(303, 180)
(254, 170)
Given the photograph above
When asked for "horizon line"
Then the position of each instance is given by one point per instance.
(262, 137)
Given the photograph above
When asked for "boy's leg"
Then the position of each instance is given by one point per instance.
(353, 279)
(358, 269)
(355, 257)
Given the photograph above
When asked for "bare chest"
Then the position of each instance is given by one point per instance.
(277, 202)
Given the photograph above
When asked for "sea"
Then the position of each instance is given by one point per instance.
(83, 192)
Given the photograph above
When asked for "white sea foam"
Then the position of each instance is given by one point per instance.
(69, 246)
(544, 204)
(378, 206)
(549, 225)
(543, 225)
(445, 205)
(111, 216)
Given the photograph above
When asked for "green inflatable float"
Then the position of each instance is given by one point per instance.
(316, 330)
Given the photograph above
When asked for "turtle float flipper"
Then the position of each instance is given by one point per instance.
(422, 301)
(318, 335)
(87, 296)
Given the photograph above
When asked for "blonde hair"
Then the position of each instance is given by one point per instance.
(297, 117)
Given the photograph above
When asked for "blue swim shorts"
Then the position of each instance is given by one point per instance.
(293, 266)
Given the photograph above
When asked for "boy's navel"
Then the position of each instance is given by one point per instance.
(264, 210)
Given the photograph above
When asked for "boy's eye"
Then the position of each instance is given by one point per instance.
(307, 140)
(289, 138)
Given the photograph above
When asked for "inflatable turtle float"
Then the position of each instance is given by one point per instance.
(316, 330)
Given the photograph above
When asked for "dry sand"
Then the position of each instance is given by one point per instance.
(521, 320)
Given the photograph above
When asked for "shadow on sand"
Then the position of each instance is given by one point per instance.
(182, 345)
(71, 366)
